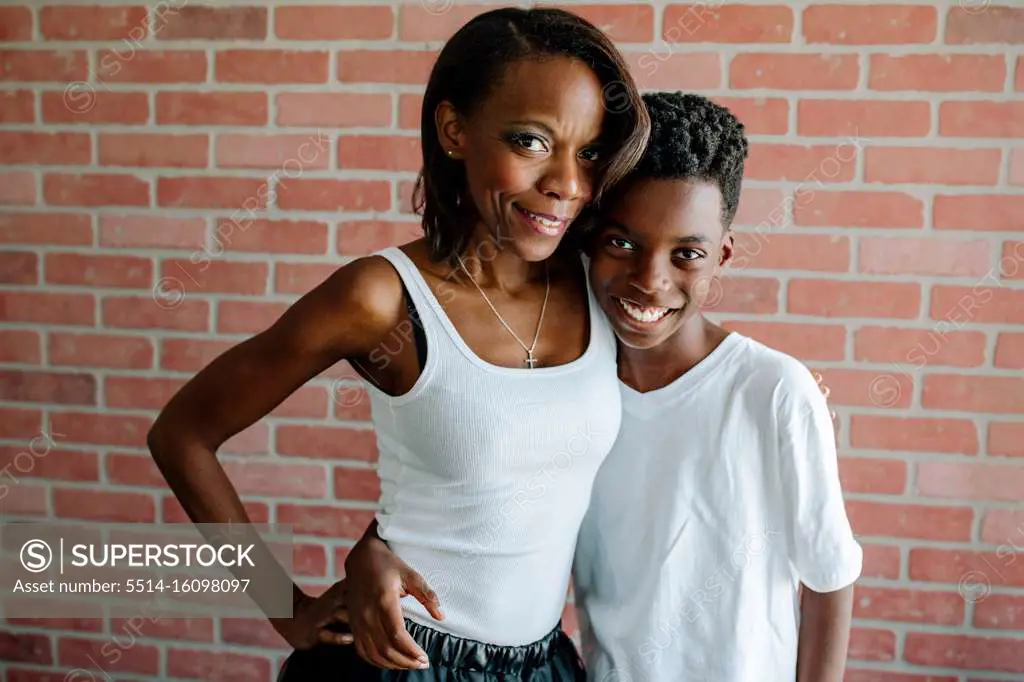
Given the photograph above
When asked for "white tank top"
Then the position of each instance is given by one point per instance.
(486, 472)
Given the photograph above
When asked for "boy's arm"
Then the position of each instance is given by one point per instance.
(824, 635)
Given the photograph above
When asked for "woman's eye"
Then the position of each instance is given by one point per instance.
(529, 142)
(591, 155)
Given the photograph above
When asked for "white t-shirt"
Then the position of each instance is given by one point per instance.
(720, 496)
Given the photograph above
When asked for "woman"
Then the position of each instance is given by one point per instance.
(512, 369)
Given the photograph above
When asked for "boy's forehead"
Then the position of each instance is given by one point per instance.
(666, 205)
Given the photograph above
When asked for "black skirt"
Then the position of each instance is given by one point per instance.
(452, 659)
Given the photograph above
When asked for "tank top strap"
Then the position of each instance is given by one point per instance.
(428, 308)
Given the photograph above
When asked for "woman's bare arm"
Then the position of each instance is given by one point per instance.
(345, 317)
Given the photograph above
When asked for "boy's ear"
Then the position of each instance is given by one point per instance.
(728, 249)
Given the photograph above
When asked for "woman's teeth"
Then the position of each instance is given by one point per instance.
(550, 225)
(642, 313)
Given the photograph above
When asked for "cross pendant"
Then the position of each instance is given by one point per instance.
(530, 360)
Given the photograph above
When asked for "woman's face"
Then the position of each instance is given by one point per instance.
(531, 151)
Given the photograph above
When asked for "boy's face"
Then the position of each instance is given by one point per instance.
(655, 251)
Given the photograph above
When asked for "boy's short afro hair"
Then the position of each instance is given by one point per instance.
(694, 138)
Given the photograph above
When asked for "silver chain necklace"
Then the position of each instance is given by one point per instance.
(531, 361)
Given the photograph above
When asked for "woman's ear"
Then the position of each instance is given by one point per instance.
(450, 129)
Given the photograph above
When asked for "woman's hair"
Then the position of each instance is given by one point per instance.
(472, 64)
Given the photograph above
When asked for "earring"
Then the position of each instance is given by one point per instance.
(449, 151)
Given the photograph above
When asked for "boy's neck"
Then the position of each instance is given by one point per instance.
(653, 368)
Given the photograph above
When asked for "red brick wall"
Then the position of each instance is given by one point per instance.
(883, 243)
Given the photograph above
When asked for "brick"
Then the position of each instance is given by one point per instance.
(696, 23)
(916, 348)
(212, 108)
(1003, 527)
(924, 165)
(19, 267)
(356, 484)
(999, 24)
(190, 355)
(254, 440)
(126, 272)
(25, 499)
(247, 317)
(104, 505)
(1010, 264)
(18, 188)
(139, 392)
(760, 115)
(251, 632)
(273, 236)
(271, 66)
(196, 22)
(880, 561)
(222, 277)
(666, 70)
(333, 23)
(75, 652)
(293, 154)
(1010, 350)
(972, 481)
(309, 194)
(794, 71)
(47, 308)
(986, 212)
(1000, 612)
(819, 208)
(818, 163)
(1017, 166)
(65, 465)
(17, 106)
(151, 66)
(124, 430)
(26, 648)
(876, 476)
(743, 295)
(981, 119)
(981, 303)
(410, 107)
(868, 388)
(217, 665)
(326, 442)
(963, 651)
(362, 237)
(307, 402)
(832, 118)
(762, 209)
(93, 22)
(20, 346)
(300, 278)
(937, 72)
(870, 24)
(15, 24)
(335, 109)
(95, 189)
(278, 480)
(872, 645)
(85, 107)
(131, 469)
(407, 67)
(435, 20)
(19, 423)
(854, 299)
(148, 231)
(99, 350)
(1004, 395)
(324, 521)
(910, 521)
(405, 193)
(131, 312)
(908, 606)
(803, 341)
(51, 66)
(822, 253)
(625, 23)
(177, 628)
(377, 152)
(47, 387)
(153, 150)
(171, 511)
(203, 191)
(916, 256)
(855, 675)
(44, 148)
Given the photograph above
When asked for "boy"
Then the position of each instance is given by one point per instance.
(720, 500)
(721, 496)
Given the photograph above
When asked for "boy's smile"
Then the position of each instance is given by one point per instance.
(655, 248)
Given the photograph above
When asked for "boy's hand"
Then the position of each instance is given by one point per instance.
(377, 582)
(315, 619)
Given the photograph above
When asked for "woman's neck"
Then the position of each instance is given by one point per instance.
(493, 264)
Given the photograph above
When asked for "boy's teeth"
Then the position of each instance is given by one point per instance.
(642, 313)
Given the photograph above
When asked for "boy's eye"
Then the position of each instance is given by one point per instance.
(689, 254)
(620, 243)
